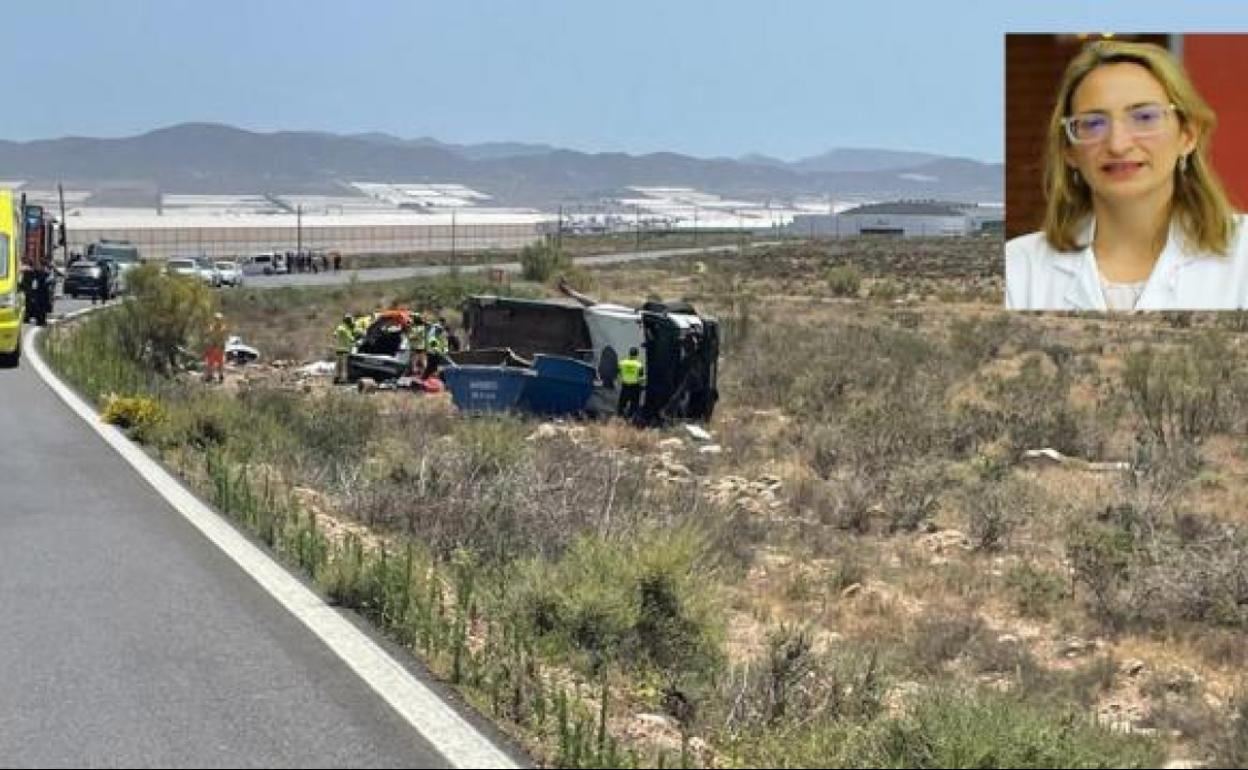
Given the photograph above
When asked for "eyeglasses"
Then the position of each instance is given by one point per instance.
(1092, 127)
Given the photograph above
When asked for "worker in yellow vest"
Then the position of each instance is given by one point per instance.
(436, 347)
(417, 336)
(362, 322)
(344, 340)
(632, 380)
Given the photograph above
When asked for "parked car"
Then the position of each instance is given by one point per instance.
(208, 272)
(82, 278)
(231, 274)
(182, 266)
(268, 263)
(123, 254)
(194, 267)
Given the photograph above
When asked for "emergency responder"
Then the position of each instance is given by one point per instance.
(214, 354)
(435, 349)
(36, 283)
(416, 339)
(344, 340)
(632, 379)
(103, 285)
(362, 322)
(453, 343)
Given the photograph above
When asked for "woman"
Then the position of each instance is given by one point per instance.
(1136, 218)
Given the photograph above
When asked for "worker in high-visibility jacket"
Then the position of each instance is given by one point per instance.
(362, 322)
(344, 340)
(632, 380)
(417, 338)
(436, 346)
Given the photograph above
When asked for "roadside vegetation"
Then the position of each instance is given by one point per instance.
(873, 570)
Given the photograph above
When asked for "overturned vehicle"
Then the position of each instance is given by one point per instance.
(384, 353)
(679, 348)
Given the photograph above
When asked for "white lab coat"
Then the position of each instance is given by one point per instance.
(1037, 277)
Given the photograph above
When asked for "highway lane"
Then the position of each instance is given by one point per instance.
(399, 273)
(126, 639)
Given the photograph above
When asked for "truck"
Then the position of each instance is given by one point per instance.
(680, 347)
(40, 238)
(12, 299)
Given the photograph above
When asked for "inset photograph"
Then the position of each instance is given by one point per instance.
(1126, 172)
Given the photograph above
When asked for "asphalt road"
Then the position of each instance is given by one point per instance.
(397, 273)
(127, 640)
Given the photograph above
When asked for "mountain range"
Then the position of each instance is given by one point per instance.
(208, 158)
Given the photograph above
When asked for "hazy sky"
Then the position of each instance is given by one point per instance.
(788, 78)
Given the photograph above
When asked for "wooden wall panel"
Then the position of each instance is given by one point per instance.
(1218, 66)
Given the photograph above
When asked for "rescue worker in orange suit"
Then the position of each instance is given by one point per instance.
(632, 380)
(214, 355)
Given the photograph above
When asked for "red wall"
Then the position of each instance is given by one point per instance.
(1218, 66)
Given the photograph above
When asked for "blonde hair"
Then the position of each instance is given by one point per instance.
(1200, 203)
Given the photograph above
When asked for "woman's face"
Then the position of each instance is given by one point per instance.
(1139, 139)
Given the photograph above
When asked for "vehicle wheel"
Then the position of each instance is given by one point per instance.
(10, 360)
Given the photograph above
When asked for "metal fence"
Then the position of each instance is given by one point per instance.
(226, 242)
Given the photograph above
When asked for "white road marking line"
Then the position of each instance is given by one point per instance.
(453, 736)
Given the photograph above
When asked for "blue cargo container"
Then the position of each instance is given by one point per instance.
(562, 385)
(486, 388)
(554, 385)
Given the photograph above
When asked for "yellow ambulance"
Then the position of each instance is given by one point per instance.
(12, 298)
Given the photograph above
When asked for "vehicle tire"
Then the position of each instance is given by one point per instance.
(10, 360)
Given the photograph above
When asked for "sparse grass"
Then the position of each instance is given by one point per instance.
(564, 588)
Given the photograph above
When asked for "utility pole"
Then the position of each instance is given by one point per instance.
(637, 224)
(298, 230)
(559, 231)
(695, 227)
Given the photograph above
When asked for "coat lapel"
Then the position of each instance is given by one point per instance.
(1083, 288)
(1162, 290)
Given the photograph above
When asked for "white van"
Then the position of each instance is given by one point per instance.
(268, 263)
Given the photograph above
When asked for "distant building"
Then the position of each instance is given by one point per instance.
(902, 219)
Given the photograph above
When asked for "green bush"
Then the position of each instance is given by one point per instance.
(843, 280)
(1100, 555)
(995, 509)
(1036, 410)
(87, 353)
(949, 729)
(1035, 590)
(163, 318)
(646, 602)
(1182, 394)
(543, 261)
(995, 730)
